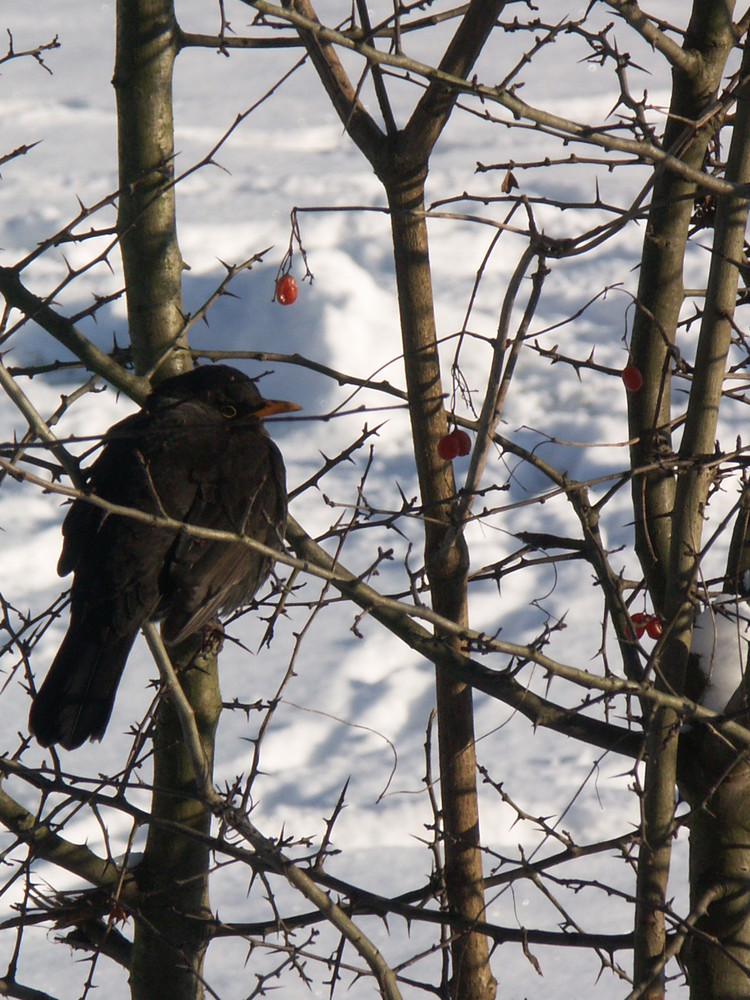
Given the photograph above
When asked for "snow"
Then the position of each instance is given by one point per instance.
(720, 641)
(355, 707)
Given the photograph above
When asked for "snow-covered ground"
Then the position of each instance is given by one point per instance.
(358, 704)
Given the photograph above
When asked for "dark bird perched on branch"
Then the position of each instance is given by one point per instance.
(196, 452)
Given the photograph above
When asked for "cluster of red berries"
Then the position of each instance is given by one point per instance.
(454, 444)
(650, 624)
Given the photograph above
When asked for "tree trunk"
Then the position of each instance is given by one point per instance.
(172, 927)
(717, 784)
(668, 515)
(715, 777)
(170, 930)
(400, 159)
(660, 289)
(447, 568)
(152, 262)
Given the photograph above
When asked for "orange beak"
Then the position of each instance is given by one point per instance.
(271, 406)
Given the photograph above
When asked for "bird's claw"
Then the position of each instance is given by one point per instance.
(212, 637)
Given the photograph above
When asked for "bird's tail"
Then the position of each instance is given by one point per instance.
(75, 701)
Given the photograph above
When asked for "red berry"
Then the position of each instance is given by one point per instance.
(448, 447)
(640, 622)
(654, 628)
(632, 378)
(286, 290)
(463, 440)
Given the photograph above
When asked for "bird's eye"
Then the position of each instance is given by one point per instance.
(228, 411)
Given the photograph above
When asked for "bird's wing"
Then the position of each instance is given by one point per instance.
(203, 577)
(117, 562)
(109, 477)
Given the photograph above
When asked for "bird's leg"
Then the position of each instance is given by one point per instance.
(212, 636)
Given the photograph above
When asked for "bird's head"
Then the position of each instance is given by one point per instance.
(222, 387)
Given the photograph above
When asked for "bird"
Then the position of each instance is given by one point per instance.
(198, 452)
